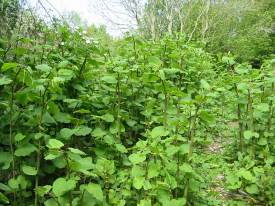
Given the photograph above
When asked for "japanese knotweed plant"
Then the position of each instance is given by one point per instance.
(254, 109)
(83, 124)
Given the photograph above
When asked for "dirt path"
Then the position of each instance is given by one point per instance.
(217, 186)
(215, 153)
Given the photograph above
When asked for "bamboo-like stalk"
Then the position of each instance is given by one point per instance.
(240, 123)
(177, 142)
(165, 104)
(192, 133)
(37, 175)
(11, 141)
(11, 136)
(271, 110)
(38, 155)
(118, 97)
(251, 121)
(178, 154)
(11, 130)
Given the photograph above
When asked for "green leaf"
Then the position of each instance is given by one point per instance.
(121, 148)
(262, 107)
(28, 170)
(109, 79)
(82, 131)
(62, 117)
(54, 144)
(154, 61)
(153, 169)
(5, 160)
(105, 166)
(99, 132)
(48, 119)
(13, 184)
(163, 196)
(144, 203)
(234, 181)
(147, 185)
(76, 151)
(109, 139)
(242, 86)
(171, 150)
(248, 134)
(159, 132)
(240, 69)
(184, 149)
(161, 74)
(57, 80)
(62, 186)
(53, 154)
(66, 74)
(7, 66)
(246, 175)
(83, 111)
(5, 80)
(38, 136)
(137, 171)
(258, 170)
(60, 162)
(19, 136)
(186, 168)
(205, 116)
(5, 187)
(170, 180)
(262, 141)
(51, 202)
(176, 202)
(228, 60)
(138, 182)
(4, 199)
(252, 189)
(25, 150)
(83, 164)
(131, 122)
(95, 190)
(43, 190)
(44, 68)
(137, 158)
(204, 84)
(108, 117)
(66, 133)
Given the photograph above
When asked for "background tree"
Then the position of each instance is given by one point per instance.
(9, 11)
(241, 27)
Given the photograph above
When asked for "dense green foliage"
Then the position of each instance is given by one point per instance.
(244, 27)
(9, 13)
(86, 121)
